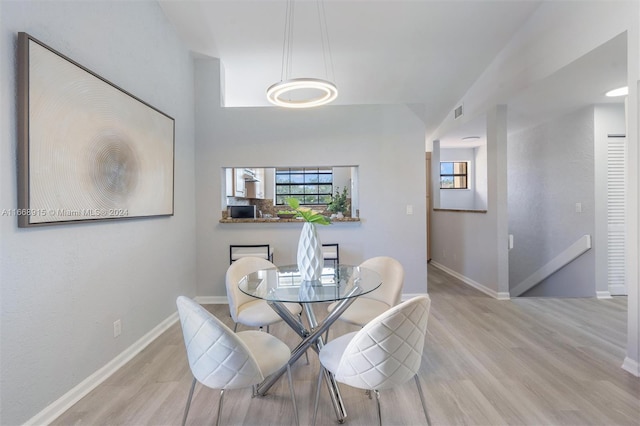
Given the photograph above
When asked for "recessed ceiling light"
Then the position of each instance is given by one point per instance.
(622, 91)
(470, 138)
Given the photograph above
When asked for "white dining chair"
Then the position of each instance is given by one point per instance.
(385, 353)
(248, 310)
(221, 359)
(370, 305)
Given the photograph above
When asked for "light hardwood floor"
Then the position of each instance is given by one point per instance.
(526, 361)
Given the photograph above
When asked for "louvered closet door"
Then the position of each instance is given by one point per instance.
(616, 170)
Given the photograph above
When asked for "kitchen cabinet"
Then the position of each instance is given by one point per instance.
(239, 184)
(255, 188)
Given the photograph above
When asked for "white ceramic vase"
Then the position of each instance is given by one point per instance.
(310, 259)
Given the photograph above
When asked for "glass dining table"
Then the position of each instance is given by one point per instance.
(283, 284)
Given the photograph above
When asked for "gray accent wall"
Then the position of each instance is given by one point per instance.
(63, 286)
(551, 168)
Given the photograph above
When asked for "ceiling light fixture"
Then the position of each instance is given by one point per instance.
(621, 91)
(303, 92)
(470, 138)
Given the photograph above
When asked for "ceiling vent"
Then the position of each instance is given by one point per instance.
(457, 113)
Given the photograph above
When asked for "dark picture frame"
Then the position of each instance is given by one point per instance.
(87, 149)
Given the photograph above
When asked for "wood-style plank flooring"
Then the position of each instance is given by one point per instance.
(527, 361)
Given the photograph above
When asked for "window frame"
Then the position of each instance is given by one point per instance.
(454, 175)
(305, 171)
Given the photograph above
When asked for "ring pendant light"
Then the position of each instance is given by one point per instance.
(283, 93)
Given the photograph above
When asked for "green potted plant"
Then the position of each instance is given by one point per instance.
(339, 203)
(307, 213)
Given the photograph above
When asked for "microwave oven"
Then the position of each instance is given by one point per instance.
(242, 212)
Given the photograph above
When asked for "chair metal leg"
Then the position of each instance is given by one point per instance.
(315, 406)
(220, 407)
(186, 409)
(424, 405)
(235, 326)
(378, 405)
(293, 395)
(306, 354)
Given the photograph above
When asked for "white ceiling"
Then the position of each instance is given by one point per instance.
(581, 83)
(425, 53)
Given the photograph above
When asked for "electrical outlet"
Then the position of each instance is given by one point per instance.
(117, 328)
(409, 209)
(578, 207)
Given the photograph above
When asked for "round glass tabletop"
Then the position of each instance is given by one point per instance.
(284, 284)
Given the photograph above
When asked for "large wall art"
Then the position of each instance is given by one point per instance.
(87, 149)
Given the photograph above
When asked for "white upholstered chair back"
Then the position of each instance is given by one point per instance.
(217, 357)
(235, 272)
(388, 351)
(222, 359)
(392, 274)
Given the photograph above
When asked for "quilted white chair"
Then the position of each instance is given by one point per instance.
(385, 353)
(222, 359)
(370, 305)
(245, 309)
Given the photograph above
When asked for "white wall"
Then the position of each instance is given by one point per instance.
(342, 179)
(481, 177)
(64, 286)
(472, 245)
(551, 168)
(386, 142)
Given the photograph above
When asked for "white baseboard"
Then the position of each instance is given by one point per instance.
(211, 300)
(631, 366)
(603, 295)
(490, 292)
(618, 290)
(62, 404)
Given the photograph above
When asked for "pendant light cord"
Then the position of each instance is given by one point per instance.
(287, 42)
(323, 91)
(324, 37)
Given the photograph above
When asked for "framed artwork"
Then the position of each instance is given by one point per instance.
(87, 149)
